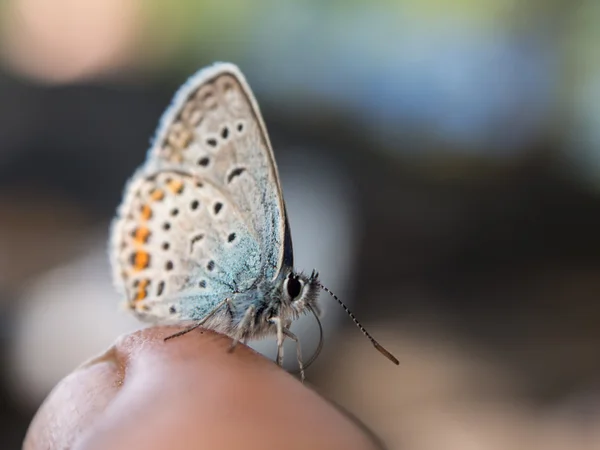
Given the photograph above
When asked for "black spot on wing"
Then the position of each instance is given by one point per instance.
(235, 173)
(195, 240)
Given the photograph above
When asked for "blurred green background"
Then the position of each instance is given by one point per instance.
(441, 161)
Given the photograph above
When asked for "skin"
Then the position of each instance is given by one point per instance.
(187, 393)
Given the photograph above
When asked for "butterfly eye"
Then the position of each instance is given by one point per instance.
(293, 287)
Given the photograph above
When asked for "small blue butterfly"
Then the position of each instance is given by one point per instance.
(202, 233)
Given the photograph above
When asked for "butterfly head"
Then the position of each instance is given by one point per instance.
(300, 292)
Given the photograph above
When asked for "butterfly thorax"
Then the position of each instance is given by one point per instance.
(255, 312)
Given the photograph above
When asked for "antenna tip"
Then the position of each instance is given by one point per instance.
(385, 353)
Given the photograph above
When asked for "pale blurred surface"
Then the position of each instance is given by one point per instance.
(441, 164)
(66, 40)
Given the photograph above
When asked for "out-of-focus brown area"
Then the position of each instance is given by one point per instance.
(461, 142)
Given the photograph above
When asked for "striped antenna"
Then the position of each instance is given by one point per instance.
(376, 344)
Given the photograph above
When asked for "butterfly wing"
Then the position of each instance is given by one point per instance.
(214, 129)
(209, 192)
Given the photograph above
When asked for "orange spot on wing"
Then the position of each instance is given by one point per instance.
(146, 212)
(142, 292)
(141, 235)
(140, 260)
(176, 186)
(157, 195)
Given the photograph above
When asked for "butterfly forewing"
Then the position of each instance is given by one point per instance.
(214, 129)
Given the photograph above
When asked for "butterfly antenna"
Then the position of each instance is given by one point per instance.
(376, 344)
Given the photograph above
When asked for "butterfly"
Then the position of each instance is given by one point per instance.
(202, 235)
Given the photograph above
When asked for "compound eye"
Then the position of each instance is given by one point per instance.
(293, 287)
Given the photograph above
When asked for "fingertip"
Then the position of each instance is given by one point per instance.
(147, 393)
(75, 402)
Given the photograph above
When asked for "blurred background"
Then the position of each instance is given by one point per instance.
(441, 165)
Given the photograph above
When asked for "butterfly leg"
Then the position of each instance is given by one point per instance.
(200, 323)
(246, 330)
(231, 309)
(294, 338)
(280, 338)
(281, 327)
(244, 327)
